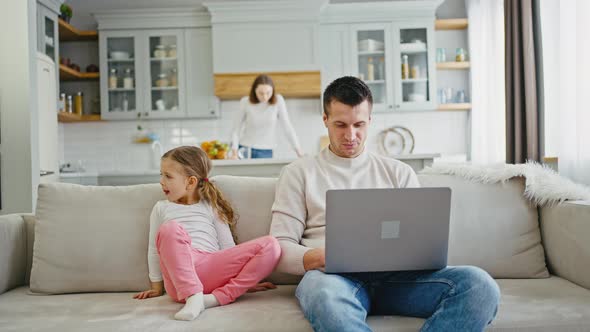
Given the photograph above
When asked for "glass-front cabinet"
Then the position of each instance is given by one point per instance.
(396, 62)
(141, 74)
(165, 74)
(414, 61)
(371, 62)
(47, 37)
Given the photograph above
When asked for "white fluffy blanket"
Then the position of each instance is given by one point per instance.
(543, 186)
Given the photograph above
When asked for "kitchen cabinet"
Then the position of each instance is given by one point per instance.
(156, 69)
(390, 46)
(47, 37)
(142, 74)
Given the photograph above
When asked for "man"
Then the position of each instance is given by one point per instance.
(452, 299)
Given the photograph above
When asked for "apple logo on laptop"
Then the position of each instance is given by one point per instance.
(390, 229)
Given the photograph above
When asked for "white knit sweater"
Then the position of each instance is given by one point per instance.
(298, 213)
(256, 125)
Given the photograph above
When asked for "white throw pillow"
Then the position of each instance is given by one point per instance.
(92, 239)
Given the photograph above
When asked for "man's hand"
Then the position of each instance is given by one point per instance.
(261, 287)
(157, 290)
(314, 259)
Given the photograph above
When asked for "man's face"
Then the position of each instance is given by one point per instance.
(347, 127)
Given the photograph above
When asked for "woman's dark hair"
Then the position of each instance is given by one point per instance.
(348, 90)
(266, 80)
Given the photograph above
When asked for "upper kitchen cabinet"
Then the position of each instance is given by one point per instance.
(156, 68)
(394, 57)
(414, 63)
(47, 37)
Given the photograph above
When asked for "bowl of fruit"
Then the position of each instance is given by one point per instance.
(215, 149)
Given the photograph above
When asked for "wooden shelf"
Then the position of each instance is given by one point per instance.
(302, 84)
(453, 65)
(454, 107)
(68, 74)
(68, 33)
(69, 117)
(451, 24)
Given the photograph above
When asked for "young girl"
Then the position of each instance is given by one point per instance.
(191, 250)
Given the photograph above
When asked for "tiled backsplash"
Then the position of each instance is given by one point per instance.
(107, 146)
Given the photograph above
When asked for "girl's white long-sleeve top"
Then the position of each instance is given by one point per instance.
(255, 125)
(200, 221)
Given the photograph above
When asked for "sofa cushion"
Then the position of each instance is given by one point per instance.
(493, 226)
(252, 199)
(552, 304)
(92, 239)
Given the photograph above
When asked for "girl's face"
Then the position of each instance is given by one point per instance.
(263, 92)
(178, 187)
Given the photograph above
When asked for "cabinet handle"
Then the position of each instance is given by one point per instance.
(212, 111)
(138, 115)
(390, 106)
(146, 114)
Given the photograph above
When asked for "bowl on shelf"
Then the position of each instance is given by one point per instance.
(417, 97)
(370, 45)
(119, 55)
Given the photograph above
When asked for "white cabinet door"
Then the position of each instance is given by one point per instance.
(200, 99)
(121, 75)
(335, 52)
(164, 83)
(371, 61)
(414, 82)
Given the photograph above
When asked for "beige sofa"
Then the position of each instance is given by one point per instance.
(91, 243)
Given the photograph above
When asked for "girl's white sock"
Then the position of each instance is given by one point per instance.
(193, 307)
(210, 301)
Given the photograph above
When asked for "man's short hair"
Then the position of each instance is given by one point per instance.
(348, 90)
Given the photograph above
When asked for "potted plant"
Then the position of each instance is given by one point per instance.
(66, 12)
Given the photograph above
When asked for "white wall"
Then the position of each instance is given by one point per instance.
(18, 120)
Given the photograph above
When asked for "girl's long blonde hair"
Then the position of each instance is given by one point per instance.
(195, 163)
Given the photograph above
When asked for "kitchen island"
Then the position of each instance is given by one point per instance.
(244, 167)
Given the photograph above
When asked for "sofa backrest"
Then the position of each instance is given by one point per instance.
(492, 226)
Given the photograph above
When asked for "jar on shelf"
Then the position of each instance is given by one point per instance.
(405, 67)
(160, 51)
(172, 51)
(162, 81)
(370, 69)
(460, 55)
(78, 104)
(128, 79)
(113, 79)
(173, 77)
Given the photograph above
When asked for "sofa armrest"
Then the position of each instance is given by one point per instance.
(565, 229)
(13, 251)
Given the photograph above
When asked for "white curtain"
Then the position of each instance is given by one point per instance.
(488, 115)
(574, 107)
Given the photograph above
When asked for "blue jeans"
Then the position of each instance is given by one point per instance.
(461, 298)
(259, 153)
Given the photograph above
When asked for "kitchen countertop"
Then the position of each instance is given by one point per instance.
(219, 163)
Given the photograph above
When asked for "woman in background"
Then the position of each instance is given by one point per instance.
(260, 114)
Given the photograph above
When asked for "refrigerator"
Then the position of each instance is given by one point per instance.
(47, 119)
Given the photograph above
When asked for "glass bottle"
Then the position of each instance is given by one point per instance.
(460, 55)
(405, 67)
(78, 102)
(113, 79)
(128, 79)
(173, 77)
(370, 69)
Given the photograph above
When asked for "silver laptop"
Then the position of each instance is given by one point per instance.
(387, 229)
